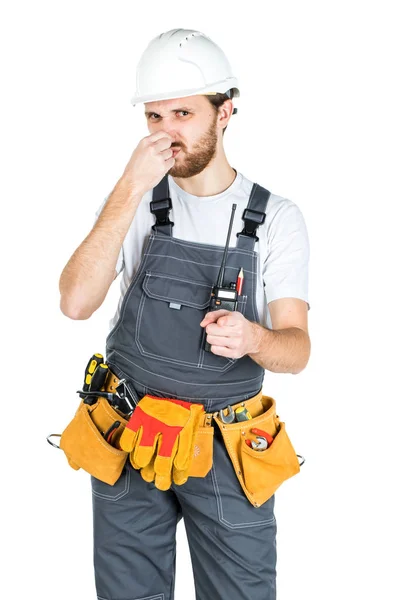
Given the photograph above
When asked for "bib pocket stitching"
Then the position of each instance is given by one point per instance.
(159, 289)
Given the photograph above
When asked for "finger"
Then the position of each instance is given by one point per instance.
(154, 137)
(141, 454)
(186, 438)
(129, 438)
(217, 340)
(134, 465)
(227, 330)
(148, 473)
(227, 320)
(163, 144)
(179, 477)
(163, 470)
(213, 316)
(221, 351)
(163, 482)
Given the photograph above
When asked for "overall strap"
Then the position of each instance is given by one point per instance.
(160, 206)
(253, 216)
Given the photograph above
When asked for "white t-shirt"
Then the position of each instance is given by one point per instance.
(283, 243)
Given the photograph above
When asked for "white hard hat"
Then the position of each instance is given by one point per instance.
(182, 62)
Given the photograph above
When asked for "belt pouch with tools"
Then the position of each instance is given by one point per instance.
(91, 440)
(260, 472)
(85, 446)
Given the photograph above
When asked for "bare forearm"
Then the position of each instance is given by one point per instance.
(90, 271)
(281, 350)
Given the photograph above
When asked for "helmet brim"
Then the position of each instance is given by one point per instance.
(219, 87)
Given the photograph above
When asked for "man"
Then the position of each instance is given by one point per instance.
(157, 336)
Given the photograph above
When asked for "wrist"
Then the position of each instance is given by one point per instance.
(257, 337)
(130, 189)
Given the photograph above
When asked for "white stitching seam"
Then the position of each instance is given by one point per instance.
(225, 384)
(207, 402)
(129, 291)
(121, 494)
(185, 280)
(195, 262)
(220, 508)
(170, 298)
(188, 383)
(156, 597)
(102, 441)
(229, 361)
(163, 358)
(208, 247)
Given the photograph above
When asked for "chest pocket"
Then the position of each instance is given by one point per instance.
(168, 324)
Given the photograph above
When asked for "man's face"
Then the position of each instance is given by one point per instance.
(191, 122)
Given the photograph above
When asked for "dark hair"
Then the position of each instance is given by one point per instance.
(216, 101)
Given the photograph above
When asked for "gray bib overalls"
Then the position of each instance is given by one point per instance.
(157, 344)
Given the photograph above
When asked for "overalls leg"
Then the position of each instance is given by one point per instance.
(232, 544)
(134, 538)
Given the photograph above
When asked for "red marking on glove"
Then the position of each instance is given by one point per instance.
(152, 427)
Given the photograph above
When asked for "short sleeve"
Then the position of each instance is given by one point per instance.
(285, 270)
(120, 260)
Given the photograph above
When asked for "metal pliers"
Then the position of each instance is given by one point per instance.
(263, 437)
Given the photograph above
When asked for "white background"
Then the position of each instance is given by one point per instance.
(318, 122)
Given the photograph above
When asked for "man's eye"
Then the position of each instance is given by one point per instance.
(156, 116)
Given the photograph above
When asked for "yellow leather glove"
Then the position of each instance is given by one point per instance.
(160, 438)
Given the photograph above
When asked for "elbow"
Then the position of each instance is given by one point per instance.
(297, 370)
(300, 367)
(301, 364)
(74, 311)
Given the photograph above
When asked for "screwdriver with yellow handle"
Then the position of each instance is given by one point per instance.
(94, 381)
(98, 378)
(94, 360)
(97, 382)
(242, 414)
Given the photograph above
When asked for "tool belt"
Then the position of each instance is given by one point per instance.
(260, 473)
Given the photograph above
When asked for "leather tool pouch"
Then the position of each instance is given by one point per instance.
(202, 452)
(260, 473)
(85, 446)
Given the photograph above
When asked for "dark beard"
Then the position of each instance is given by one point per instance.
(196, 161)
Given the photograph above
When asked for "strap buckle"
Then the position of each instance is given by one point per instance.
(252, 219)
(161, 208)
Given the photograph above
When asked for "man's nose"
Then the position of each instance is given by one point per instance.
(168, 126)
